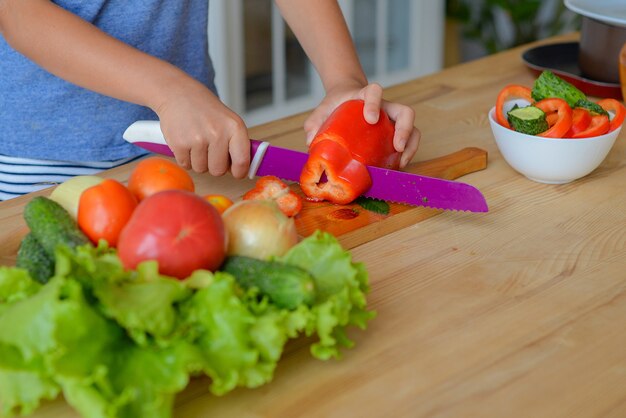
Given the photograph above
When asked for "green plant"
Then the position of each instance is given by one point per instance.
(502, 24)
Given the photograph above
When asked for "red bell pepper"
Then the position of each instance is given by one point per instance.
(599, 126)
(564, 120)
(508, 93)
(338, 155)
(618, 110)
(551, 118)
(581, 119)
(272, 188)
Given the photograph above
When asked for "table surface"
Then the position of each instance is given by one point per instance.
(519, 312)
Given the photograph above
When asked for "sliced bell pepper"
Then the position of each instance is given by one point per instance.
(564, 120)
(551, 118)
(508, 93)
(581, 119)
(338, 155)
(272, 188)
(599, 125)
(618, 110)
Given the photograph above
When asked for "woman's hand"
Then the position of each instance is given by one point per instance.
(407, 136)
(203, 133)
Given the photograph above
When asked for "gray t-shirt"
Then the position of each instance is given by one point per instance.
(45, 117)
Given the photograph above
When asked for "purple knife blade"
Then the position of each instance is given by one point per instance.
(417, 190)
(272, 164)
(280, 162)
(389, 185)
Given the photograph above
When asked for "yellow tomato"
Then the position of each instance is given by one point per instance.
(220, 202)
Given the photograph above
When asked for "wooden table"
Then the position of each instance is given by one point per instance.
(519, 312)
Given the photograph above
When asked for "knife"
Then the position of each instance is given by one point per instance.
(389, 185)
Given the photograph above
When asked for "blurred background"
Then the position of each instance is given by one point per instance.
(263, 73)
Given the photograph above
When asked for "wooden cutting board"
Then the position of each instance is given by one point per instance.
(353, 225)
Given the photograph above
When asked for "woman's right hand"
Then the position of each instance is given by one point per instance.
(203, 133)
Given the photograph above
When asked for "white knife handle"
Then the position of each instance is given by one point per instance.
(147, 132)
(144, 131)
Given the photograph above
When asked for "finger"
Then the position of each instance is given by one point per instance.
(411, 147)
(239, 149)
(199, 157)
(314, 122)
(372, 96)
(404, 118)
(218, 156)
(183, 158)
(182, 154)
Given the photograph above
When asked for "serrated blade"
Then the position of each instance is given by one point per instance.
(417, 190)
(389, 185)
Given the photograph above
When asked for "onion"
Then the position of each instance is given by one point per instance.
(67, 194)
(258, 228)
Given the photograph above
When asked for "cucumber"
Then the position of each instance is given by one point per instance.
(592, 107)
(52, 225)
(548, 85)
(285, 285)
(528, 120)
(33, 258)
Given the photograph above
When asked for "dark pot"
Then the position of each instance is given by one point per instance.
(600, 45)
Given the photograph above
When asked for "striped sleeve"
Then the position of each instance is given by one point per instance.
(19, 176)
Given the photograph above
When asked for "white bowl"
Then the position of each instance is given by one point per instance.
(551, 160)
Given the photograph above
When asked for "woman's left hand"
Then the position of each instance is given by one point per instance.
(407, 136)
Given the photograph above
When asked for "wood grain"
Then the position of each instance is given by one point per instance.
(519, 312)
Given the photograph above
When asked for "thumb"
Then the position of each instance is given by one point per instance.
(372, 96)
(313, 123)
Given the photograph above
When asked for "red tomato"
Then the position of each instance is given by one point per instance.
(104, 209)
(179, 229)
(220, 202)
(156, 174)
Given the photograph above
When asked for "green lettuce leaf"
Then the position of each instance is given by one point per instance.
(15, 284)
(341, 287)
(142, 302)
(60, 339)
(144, 305)
(121, 343)
(137, 382)
(22, 391)
(240, 348)
(55, 334)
